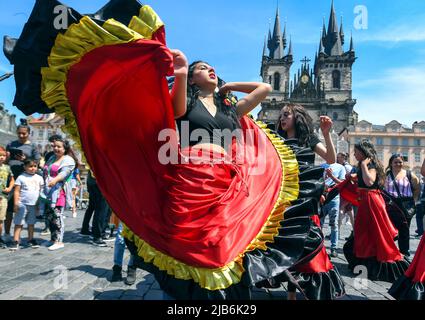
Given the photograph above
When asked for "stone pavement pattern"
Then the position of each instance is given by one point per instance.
(86, 271)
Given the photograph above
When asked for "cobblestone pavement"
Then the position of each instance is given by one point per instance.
(81, 271)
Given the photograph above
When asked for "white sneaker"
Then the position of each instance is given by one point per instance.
(56, 246)
(74, 215)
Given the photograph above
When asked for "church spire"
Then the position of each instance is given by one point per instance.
(333, 44)
(341, 33)
(351, 43)
(265, 46)
(284, 36)
(333, 25)
(321, 47)
(290, 47)
(276, 42)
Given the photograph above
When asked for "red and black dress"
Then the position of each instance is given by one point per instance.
(318, 277)
(373, 243)
(206, 230)
(411, 285)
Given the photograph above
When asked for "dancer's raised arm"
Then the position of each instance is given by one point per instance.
(178, 93)
(257, 92)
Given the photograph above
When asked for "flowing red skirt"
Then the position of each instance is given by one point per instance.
(373, 231)
(320, 263)
(416, 271)
(198, 214)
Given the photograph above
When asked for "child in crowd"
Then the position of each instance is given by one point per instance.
(6, 185)
(27, 191)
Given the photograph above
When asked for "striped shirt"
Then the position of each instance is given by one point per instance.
(403, 185)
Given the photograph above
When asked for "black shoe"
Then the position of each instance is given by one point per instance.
(131, 276)
(33, 244)
(14, 246)
(2, 244)
(85, 233)
(334, 253)
(328, 237)
(116, 273)
(99, 242)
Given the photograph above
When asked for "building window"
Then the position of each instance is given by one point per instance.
(405, 156)
(336, 79)
(394, 141)
(379, 141)
(41, 134)
(357, 140)
(405, 142)
(417, 157)
(417, 142)
(276, 81)
(381, 156)
(335, 115)
(270, 79)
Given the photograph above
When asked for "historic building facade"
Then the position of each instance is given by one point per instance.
(323, 89)
(390, 139)
(7, 126)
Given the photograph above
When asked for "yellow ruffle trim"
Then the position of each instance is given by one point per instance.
(77, 41)
(86, 36)
(224, 277)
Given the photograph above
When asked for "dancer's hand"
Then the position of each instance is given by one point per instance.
(181, 67)
(224, 90)
(329, 173)
(366, 161)
(325, 124)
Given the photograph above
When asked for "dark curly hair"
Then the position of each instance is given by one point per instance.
(68, 150)
(303, 124)
(368, 149)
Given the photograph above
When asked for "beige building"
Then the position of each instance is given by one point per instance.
(42, 128)
(392, 138)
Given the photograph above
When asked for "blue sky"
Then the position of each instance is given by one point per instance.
(389, 75)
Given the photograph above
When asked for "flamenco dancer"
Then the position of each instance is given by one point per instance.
(211, 216)
(373, 243)
(318, 278)
(411, 285)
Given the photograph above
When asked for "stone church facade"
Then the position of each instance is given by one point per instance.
(323, 87)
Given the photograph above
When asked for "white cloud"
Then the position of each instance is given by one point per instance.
(397, 95)
(412, 32)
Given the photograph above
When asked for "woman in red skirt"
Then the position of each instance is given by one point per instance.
(205, 213)
(373, 244)
(411, 285)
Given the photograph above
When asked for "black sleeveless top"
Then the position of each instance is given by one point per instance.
(361, 183)
(199, 126)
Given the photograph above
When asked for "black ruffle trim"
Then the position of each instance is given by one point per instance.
(320, 286)
(376, 270)
(405, 289)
